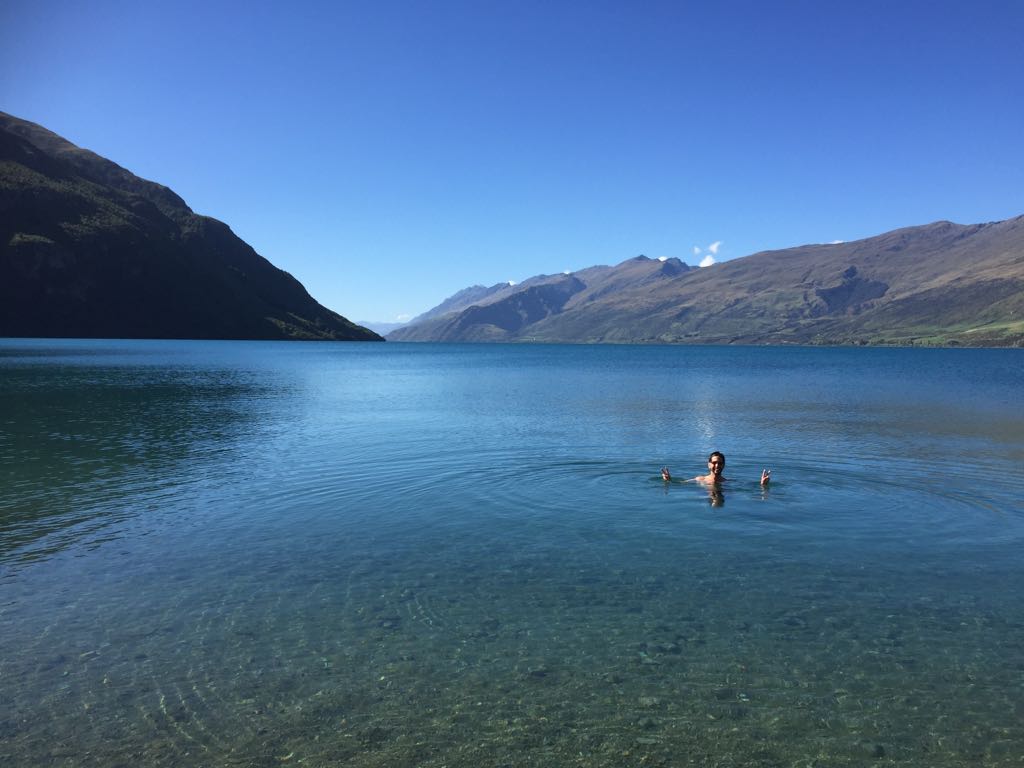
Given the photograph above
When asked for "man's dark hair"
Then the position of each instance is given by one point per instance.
(719, 454)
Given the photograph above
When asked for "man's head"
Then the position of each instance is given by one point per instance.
(716, 462)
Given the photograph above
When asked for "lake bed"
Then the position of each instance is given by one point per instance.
(250, 553)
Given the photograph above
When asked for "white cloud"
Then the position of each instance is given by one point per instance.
(663, 258)
(403, 318)
(511, 283)
(565, 272)
(709, 253)
(837, 242)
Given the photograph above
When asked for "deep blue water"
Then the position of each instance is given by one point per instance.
(247, 553)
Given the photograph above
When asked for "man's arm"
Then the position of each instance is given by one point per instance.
(766, 476)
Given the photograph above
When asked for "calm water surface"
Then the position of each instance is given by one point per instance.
(233, 553)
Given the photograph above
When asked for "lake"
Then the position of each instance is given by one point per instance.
(273, 554)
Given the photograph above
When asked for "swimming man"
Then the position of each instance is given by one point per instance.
(716, 466)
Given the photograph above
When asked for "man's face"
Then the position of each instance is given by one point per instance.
(715, 465)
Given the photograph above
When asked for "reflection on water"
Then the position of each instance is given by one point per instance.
(266, 554)
(84, 448)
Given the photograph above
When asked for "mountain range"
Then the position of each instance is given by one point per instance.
(936, 284)
(90, 250)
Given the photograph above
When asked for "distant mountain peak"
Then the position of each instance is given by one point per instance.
(938, 283)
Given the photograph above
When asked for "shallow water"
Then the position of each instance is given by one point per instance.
(236, 553)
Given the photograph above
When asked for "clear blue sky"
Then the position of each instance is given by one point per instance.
(388, 154)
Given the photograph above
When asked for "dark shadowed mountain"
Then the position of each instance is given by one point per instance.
(90, 250)
(941, 283)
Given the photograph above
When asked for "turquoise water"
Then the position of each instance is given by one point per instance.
(267, 554)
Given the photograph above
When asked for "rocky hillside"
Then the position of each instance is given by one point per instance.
(941, 283)
(87, 249)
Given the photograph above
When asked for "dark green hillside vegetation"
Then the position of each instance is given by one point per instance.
(90, 250)
(938, 284)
